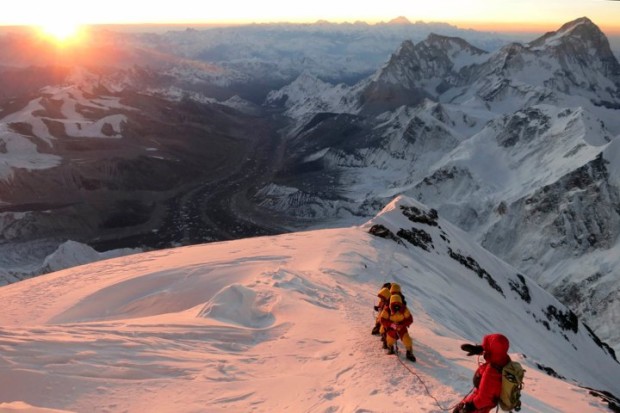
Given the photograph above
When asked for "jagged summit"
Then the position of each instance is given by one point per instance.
(419, 71)
(580, 38)
(575, 60)
(452, 42)
(585, 22)
(583, 28)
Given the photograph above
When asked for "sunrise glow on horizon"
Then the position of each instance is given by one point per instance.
(62, 17)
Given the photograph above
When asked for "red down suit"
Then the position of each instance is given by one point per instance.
(488, 377)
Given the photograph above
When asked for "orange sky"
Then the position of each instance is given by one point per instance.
(536, 15)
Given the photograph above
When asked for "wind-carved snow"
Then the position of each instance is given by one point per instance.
(260, 325)
(238, 305)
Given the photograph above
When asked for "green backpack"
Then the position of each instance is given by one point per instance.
(512, 383)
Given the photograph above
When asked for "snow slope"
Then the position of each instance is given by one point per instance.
(282, 324)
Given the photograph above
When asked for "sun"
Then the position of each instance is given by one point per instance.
(61, 32)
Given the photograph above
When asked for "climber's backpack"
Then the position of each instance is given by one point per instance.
(512, 383)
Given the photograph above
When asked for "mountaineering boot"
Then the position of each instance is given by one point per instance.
(375, 329)
(384, 341)
(391, 350)
(410, 356)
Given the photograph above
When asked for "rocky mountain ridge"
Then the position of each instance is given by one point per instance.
(512, 146)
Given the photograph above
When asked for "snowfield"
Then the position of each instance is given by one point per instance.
(283, 323)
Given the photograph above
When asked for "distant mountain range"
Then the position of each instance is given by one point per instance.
(517, 146)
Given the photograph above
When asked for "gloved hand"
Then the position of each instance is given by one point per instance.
(472, 349)
(464, 408)
(469, 407)
(376, 308)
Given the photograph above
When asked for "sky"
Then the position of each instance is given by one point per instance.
(480, 14)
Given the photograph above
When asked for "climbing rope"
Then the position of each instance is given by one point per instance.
(437, 402)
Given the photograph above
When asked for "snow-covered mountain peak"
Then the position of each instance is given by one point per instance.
(559, 68)
(309, 83)
(308, 95)
(580, 42)
(451, 43)
(416, 72)
(460, 52)
(412, 74)
(581, 28)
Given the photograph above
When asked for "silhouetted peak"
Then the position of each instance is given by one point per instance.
(448, 42)
(582, 21)
(582, 28)
(400, 20)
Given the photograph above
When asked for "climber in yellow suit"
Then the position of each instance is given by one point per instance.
(395, 319)
(384, 301)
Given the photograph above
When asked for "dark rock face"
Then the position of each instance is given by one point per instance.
(567, 321)
(472, 264)
(524, 126)
(521, 288)
(613, 402)
(416, 215)
(417, 237)
(383, 232)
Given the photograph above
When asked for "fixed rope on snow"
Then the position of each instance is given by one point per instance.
(437, 402)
